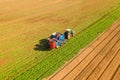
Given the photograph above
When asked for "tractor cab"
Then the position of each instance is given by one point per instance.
(69, 33)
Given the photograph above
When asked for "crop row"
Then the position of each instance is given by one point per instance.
(58, 57)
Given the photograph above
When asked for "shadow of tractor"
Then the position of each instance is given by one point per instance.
(42, 45)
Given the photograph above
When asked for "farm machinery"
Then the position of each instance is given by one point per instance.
(57, 39)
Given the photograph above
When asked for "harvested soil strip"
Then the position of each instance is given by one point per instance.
(116, 76)
(96, 60)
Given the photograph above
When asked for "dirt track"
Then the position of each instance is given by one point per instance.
(99, 60)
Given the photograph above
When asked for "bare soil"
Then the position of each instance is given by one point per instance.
(24, 23)
(99, 60)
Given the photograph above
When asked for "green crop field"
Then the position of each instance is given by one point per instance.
(24, 27)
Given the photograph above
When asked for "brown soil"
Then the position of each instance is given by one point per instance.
(23, 23)
(3, 61)
(99, 60)
(48, 19)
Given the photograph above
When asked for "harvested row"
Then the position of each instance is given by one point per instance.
(21, 28)
(55, 60)
(97, 61)
(24, 23)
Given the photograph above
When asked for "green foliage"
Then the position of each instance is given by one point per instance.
(59, 56)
